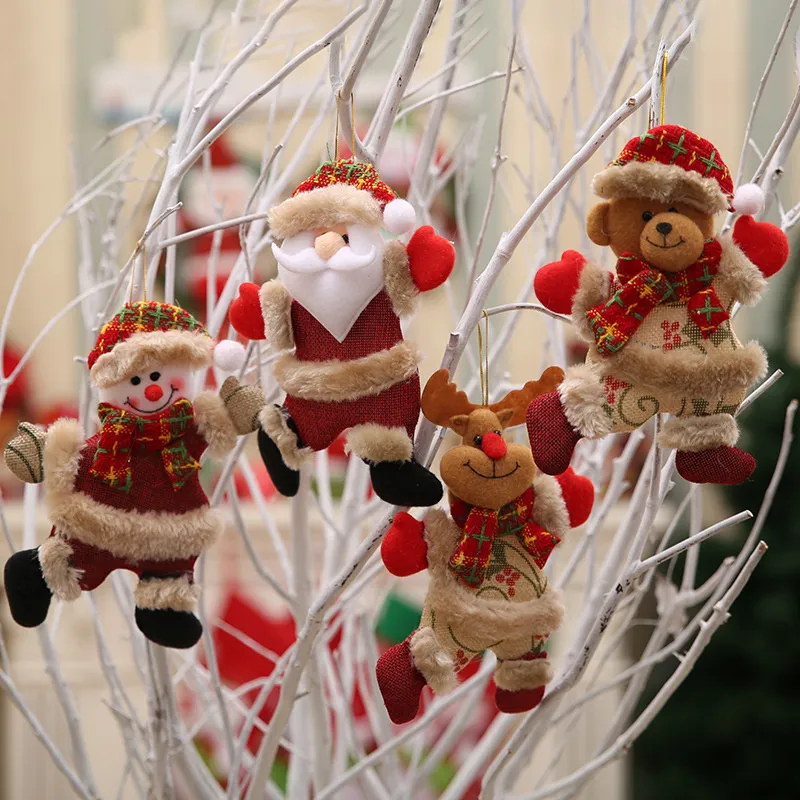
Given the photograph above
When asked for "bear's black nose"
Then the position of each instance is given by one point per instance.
(664, 228)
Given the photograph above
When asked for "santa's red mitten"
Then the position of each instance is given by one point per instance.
(245, 313)
(430, 258)
(556, 283)
(404, 549)
(763, 243)
(578, 494)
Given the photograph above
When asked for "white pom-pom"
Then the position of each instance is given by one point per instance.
(399, 216)
(748, 199)
(229, 355)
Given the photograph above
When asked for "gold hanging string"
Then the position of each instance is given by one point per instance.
(483, 359)
(140, 248)
(663, 86)
(486, 351)
(353, 125)
(336, 134)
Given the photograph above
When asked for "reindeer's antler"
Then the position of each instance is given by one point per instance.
(442, 400)
(520, 399)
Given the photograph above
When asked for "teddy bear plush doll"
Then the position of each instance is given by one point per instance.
(337, 303)
(486, 558)
(659, 329)
(130, 497)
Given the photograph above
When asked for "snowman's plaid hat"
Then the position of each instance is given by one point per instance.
(145, 334)
(339, 193)
(669, 164)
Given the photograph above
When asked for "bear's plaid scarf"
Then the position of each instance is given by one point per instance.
(123, 434)
(643, 287)
(480, 526)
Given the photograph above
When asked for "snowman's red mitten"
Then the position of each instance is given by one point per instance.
(404, 550)
(763, 243)
(556, 283)
(430, 258)
(245, 313)
(578, 494)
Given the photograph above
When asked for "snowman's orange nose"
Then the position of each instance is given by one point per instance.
(153, 392)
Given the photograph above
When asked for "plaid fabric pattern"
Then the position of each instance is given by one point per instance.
(123, 434)
(643, 287)
(360, 174)
(480, 526)
(678, 146)
(142, 317)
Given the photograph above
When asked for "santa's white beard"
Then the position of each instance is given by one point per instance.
(335, 292)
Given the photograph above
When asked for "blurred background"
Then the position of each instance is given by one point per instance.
(73, 70)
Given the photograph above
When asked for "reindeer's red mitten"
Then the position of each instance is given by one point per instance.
(556, 283)
(578, 494)
(430, 259)
(404, 550)
(245, 312)
(763, 243)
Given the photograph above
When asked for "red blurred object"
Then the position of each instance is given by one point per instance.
(17, 393)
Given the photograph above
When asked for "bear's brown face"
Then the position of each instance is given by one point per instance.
(670, 236)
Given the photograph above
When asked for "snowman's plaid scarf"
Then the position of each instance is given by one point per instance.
(123, 434)
(479, 527)
(643, 287)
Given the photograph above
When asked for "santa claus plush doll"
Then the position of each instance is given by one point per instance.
(337, 303)
(130, 497)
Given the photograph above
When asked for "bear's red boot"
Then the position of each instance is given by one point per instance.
(725, 465)
(551, 436)
(400, 682)
(516, 701)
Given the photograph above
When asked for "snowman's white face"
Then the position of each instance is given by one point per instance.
(151, 392)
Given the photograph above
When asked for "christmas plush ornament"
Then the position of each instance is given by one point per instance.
(486, 558)
(129, 497)
(337, 302)
(659, 329)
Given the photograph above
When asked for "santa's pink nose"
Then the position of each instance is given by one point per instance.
(153, 392)
(493, 445)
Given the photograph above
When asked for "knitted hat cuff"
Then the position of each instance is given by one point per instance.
(143, 351)
(662, 183)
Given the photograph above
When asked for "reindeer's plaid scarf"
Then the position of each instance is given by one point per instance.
(124, 434)
(480, 526)
(642, 288)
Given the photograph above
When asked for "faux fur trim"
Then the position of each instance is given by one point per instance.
(397, 279)
(516, 675)
(681, 374)
(214, 424)
(694, 434)
(276, 308)
(433, 661)
(142, 351)
(323, 208)
(549, 508)
(664, 183)
(738, 275)
(61, 577)
(484, 617)
(62, 448)
(375, 443)
(335, 381)
(178, 594)
(594, 288)
(584, 401)
(273, 421)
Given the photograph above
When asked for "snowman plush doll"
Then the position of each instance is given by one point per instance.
(129, 497)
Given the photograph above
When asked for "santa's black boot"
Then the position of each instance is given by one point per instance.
(28, 593)
(169, 628)
(405, 483)
(286, 479)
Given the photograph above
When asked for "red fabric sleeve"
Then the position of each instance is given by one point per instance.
(556, 283)
(578, 494)
(430, 259)
(245, 313)
(763, 243)
(404, 549)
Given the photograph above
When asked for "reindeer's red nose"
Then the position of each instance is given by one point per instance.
(493, 445)
(153, 392)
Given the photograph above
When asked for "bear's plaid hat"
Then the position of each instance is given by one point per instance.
(339, 193)
(143, 335)
(669, 164)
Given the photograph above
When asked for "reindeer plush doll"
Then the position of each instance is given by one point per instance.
(487, 587)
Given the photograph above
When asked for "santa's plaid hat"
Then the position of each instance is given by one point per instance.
(145, 334)
(671, 164)
(341, 192)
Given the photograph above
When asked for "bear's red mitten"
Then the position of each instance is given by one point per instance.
(556, 283)
(763, 243)
(430, 259)
(245, 312)
(404, 550)
(578, 494)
